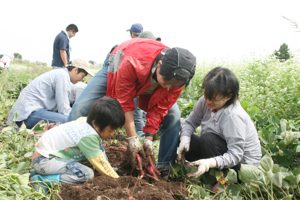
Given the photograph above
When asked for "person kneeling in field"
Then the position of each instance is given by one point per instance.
(59, 150)
(229, 137)
(47, 96)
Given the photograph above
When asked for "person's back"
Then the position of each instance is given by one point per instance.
(47, 96)
(38, 95)
(61, 46)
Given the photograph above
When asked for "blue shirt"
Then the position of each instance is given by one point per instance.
(49, 91)
(61, 42)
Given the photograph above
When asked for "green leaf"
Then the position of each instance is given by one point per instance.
(22, 166)
(234, 190)
(277, 179)
(231, 176)
(16, 188)
(24, 179)
(249, 173)
(266, 163)
(25, 189)
(283, 125)
(296, 149)
(28, 154)
(179, 196)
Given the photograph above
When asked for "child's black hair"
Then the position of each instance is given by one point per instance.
(221, 81)
(106, 111)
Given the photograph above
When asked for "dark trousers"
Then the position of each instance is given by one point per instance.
(207, 146)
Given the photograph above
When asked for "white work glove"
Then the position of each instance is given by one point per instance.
(203, 166)
(184, 147)
(134, 147)
(148, 147)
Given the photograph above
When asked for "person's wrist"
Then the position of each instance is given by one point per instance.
(149, 136)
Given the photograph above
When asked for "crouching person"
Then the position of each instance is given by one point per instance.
(59, 150)
(47, 96)
(229, 137)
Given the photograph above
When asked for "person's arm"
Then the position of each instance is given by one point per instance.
(103, 166)
(63, 55)
(89, 146)
(233, 129)
(194, 119)
(129, 124)
(62, 90)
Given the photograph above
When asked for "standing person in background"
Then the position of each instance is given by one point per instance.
(5, 61)
(139, 115)
(135, 30)
(47, 96)
(62, 48)
(149, 35)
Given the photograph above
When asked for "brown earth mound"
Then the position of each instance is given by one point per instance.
(128, 185)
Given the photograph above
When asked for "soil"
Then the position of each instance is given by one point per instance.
(128, 185)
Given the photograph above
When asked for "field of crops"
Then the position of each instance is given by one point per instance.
(269, 92)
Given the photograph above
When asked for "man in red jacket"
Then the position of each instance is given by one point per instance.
(157, 74)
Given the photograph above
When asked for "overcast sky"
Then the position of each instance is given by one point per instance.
(230, 30)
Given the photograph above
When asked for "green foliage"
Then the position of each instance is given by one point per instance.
(92, 62)
(18, 56)
(283, 53)
(269, 92)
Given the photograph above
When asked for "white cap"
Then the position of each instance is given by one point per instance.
(82, 64)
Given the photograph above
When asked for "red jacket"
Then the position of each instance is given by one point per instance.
(130, 73)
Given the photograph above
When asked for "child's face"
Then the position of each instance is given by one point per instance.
(217, 103)
(106, 133)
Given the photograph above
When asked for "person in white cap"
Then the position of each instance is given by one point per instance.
(5, 61)
(47, 96)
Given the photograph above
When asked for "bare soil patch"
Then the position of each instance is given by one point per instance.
(128, 185)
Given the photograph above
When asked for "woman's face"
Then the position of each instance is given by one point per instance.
(217, 102)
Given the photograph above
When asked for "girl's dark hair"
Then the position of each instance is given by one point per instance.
(106, 111)
(79, 69)
(221, 81)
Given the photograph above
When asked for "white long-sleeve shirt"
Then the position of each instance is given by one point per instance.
(233, 125)
(49, 91)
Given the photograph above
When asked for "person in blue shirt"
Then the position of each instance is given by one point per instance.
(62, 48)
(47, 96)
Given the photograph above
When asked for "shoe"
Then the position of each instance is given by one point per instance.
(45, 181)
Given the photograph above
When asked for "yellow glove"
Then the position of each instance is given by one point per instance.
(103, 166)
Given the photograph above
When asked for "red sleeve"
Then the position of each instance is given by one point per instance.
(156, 114)
(125, 84)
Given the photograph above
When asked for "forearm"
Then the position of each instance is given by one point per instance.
(63, 55)
(129, 124)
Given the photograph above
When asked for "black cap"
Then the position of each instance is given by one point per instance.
(179, 58)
